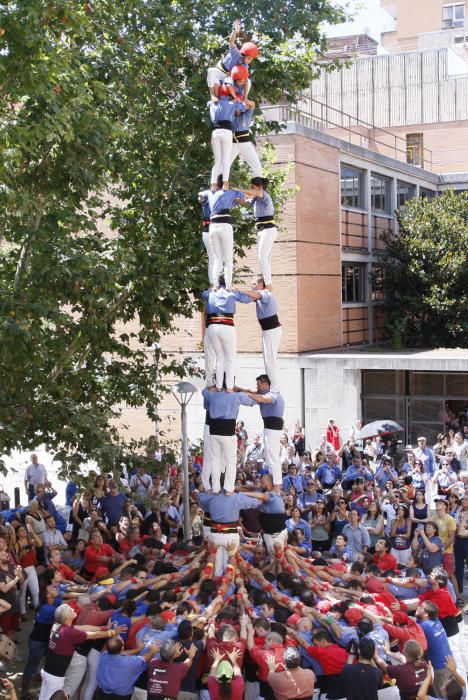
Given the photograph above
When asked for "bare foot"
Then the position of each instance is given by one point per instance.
(225, 186)
(277, 488)
(269, 287)
(229, 493)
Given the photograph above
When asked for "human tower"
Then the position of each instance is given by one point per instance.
(231, 112)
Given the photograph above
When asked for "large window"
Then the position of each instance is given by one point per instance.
(424, 403)
(380, 194)
(353, 283)
(352, 187)
(405, 192)
(453, 15)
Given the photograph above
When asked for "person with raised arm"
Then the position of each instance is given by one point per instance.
(267, 315)
(272, 411)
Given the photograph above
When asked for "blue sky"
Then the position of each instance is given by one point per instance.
(367, 14)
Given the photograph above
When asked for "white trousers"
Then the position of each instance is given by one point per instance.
(90, 684)
(223, 340)
(207, 461)
(249, 155)
(75, 673)
(270, 343)
(32, 583)
(279, 538)
(223, 458)
(265, 239)
(215, 76)
(221, 143)
(401, 555)
(210, 359)
(211, 257)
(272, 449)
(50, 684)
(221, 540)
(222, 241)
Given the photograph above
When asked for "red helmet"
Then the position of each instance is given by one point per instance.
(249, 49)
(240, 73)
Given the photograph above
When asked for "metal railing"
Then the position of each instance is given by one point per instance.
(321, 117)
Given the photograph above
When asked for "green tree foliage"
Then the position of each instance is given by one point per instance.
(426, 273)
(103, 127)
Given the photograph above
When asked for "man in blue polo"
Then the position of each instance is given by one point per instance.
(223, 407)
(224, 511)
(272, 411)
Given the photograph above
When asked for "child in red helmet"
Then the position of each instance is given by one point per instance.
(236, 84)
(235, 57)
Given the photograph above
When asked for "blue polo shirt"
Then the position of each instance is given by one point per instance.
(117, 673)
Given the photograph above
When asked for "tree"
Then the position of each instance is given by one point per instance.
(105, 143)
(425, 272)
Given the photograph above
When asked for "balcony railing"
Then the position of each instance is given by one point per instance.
(446, 38)
(321, 117)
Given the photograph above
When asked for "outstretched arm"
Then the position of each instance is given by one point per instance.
(236, 27)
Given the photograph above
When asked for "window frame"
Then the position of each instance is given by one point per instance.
(361, 281)
(388, 194)
(451, 9)
(361, 187)
(402, 183)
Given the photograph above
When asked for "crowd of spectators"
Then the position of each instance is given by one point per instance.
(364, 601)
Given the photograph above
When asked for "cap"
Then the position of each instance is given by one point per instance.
(353, 616)
(224, 670)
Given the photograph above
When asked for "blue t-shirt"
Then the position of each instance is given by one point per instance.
(112, 507)
(438, 647)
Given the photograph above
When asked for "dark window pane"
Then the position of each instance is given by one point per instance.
(352, 283)
(377, 283)
(383, 382)
(381, 409)
(380, 194)
(405, 192)
(351, 187)
(427, 411)
(426, 384)
(456, 384)
(424, 192)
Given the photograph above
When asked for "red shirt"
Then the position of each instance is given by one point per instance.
(411, 630)
(332, 658)
(443, 600)
(92, 554)
(223, 647)
(134, 629)
(259, 657)
(66, 572)
(386, 563)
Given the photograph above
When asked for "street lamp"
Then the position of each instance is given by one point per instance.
(183, 391)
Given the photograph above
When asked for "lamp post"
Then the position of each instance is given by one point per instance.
(183, 391)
